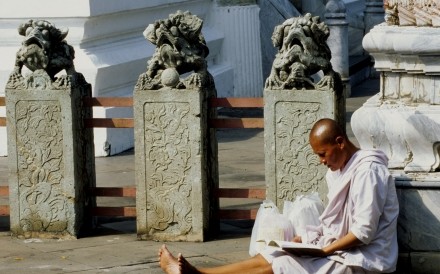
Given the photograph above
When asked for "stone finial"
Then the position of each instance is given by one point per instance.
(422, 13)
(335, 6)
(302, 52)
(43, 51)
(180, 48)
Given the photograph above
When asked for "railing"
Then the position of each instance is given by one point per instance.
(130, 191)
(4, 190)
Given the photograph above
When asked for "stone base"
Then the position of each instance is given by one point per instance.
(291, 166)
(51, 156)
(419, 216)
(407, 133)
(418, 263)
(174, 176)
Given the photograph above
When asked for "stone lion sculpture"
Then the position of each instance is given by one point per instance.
(302, 52)
(180, 48)
(44, 48)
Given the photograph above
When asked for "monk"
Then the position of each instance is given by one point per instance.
(357, 231)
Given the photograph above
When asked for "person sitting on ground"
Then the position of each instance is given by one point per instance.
(357, 231)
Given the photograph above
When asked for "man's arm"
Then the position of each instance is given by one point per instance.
(346, 242)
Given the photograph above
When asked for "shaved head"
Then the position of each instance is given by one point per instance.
(330, 142)
(326, 131)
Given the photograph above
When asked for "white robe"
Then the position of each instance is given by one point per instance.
(362, 199)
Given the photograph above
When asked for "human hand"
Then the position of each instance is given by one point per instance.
(297, 239)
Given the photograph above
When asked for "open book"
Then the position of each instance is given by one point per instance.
(296, 248)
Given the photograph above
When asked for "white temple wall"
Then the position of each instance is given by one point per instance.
(111, 52)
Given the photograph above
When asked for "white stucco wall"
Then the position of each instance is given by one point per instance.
(111, 52)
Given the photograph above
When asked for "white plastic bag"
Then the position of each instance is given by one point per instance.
(269, 224)
(305, 210)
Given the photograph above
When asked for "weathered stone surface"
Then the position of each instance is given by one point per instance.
(403, 120)
(419, 216)
(293, 103)
(176, 167)
(422, 13)
(290, 165)
(51, 155)
(302, 52)
(180, 48)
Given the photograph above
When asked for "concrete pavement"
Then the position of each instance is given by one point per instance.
(113, 247)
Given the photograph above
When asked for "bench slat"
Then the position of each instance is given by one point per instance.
(250, 193)
(251, 102)
(109, 122)
(238, 214)
(108, 101)
(4, 190)
(114, 211)
(113, 191)
(237, 123)
(4, 210)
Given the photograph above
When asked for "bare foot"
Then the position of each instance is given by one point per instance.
(185, 266)
(173, 265)
(168, 262)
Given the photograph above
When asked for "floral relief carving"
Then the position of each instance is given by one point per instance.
(40, 166)
(297, 168)
(168, 152)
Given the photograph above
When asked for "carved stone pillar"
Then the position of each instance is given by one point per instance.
(291, 166)
(374, 14)
(51, 153)
(293, 103)
(335, 18)
(176, 152)
(172, 170)
(51, 156)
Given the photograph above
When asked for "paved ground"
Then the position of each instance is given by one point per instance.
(113, 247)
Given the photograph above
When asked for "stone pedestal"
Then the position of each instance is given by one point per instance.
(51, 156)
(403, 120)
(175, 165)
(291, 166)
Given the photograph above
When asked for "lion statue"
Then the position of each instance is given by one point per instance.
(180, 48)
(44, 48)
(302, 52)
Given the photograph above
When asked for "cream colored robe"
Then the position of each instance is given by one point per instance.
(362, 199)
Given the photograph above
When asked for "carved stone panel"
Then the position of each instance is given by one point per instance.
(291, 166)
(51, 156)
(172, 169)
(42, 204)
(167, 165)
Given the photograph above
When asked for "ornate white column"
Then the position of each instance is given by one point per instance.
(403, 120)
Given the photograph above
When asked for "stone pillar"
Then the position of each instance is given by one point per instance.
(338, 41)
(293, 103)
(291, 166)
(172, 171)
(51, 156)
(374, 14)
(176, 152)
(403, 120)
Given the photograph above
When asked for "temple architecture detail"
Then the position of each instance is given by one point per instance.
(403, 120)
(412, 12)
(176, 167)
(51, 153)
(294, 101)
